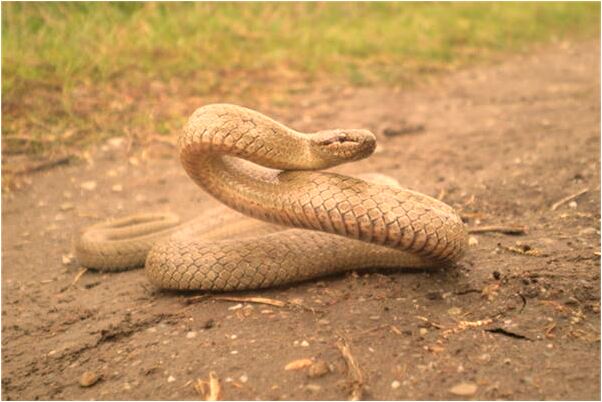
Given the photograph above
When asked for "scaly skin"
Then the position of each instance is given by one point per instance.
(353, 223)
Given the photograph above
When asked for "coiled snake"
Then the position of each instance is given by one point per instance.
(353, 223)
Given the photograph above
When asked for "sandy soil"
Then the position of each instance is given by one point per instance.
(518, 318)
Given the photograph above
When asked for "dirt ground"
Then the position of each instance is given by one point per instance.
(518, 318)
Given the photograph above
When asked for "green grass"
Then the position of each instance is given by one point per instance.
(56, 54)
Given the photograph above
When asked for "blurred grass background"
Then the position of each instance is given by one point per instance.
(76, 73)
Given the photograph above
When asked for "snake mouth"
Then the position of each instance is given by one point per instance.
(339, 139)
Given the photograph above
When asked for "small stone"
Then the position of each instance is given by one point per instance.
(454, 311)
(66, 206)
(313, 387)
(375, 317)
(304, 343)
(116, 142)
(234, 352)
(318, 369)
(573, 204)
(298, 364)
(464, 389)
(191, 334)
(395, 384)
(127, 386)
(473, 241)
(171, 378)
(67, 259)
(243, 378)
(323, 321)
(88, 379)
(117, 188)
(423, 331)
(88, 185)
(235, 307)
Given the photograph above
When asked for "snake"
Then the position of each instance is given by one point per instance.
(283, 218)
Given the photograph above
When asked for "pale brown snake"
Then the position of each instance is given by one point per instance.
(353, 223)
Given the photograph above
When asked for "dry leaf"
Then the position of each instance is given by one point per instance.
(209, 390)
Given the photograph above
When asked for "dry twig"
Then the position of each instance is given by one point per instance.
(568, 198)
(356, 377)
(75, 280)
(258, 300)
(45, 165)
(252, 299)
(511, 229)
(209, 390)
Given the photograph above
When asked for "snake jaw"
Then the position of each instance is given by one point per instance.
(339, 138)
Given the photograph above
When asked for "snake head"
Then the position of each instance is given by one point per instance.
(333, 147)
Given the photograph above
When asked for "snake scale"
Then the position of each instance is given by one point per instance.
(318, 223)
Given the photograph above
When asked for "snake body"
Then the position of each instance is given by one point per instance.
(317, 223)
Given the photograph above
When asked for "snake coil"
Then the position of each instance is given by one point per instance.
(319, 222)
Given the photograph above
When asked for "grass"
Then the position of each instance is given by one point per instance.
(76, 73)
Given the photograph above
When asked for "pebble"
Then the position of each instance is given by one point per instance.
(88, 379)
(298, 364)
(116, 142)
(454, 311)
(318, 369)
(572, 204)
(243, 378)
(464, 389)
(191, 334)
(66, 206)
(304, 344)
(423, 331)
(171, 378)
(395, 384)
(88, 185)
(473, 241)
(313, 387)
(117, 188)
